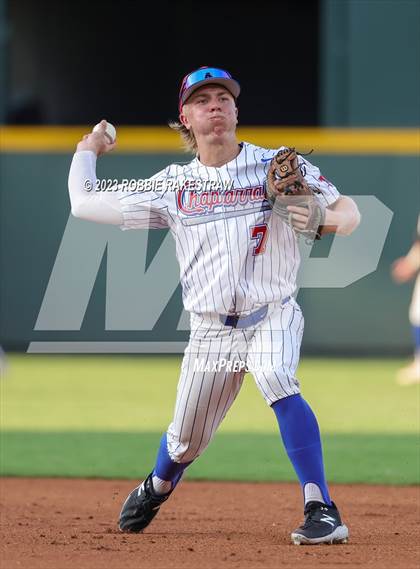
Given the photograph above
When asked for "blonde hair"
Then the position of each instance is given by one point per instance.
(187, 136)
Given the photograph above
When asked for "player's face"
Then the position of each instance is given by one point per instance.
(210, 109)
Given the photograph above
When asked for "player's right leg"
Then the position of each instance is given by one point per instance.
(206, 390)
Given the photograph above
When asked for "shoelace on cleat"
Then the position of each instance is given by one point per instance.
(310, 512)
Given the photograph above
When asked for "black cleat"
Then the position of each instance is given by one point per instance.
(140, 507)
(322, 525)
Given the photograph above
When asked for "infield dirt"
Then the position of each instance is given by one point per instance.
(68, 523)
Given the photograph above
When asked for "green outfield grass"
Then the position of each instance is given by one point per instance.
(103, 417)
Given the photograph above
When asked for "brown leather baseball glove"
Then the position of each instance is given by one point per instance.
(286, 186)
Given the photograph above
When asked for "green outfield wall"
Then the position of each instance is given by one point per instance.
(370, 63)
(369, 316)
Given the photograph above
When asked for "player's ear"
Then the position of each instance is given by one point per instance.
(183, 119)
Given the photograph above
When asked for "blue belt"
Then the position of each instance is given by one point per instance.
(238, 321)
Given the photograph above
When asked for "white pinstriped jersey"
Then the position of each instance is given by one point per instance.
(233, 254)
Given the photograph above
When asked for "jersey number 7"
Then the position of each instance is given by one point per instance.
(259, 233)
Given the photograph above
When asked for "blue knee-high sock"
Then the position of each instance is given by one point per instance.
(165, 467)
(302, 440)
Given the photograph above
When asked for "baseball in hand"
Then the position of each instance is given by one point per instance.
(110, 131)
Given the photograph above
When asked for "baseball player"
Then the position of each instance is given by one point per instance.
(403, 270)
(238, 264)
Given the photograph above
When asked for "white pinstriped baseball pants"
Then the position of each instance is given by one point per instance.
(207, 387)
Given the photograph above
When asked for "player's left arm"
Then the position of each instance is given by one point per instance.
(342, 215)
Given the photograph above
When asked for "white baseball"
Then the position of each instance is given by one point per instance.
(110, 131)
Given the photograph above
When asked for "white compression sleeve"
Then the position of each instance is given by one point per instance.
(102, 207)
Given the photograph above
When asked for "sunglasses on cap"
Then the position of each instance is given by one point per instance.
(204, 75)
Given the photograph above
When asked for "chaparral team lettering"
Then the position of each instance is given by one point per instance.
(192, 202)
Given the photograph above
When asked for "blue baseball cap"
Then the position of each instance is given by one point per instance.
(204, 75)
